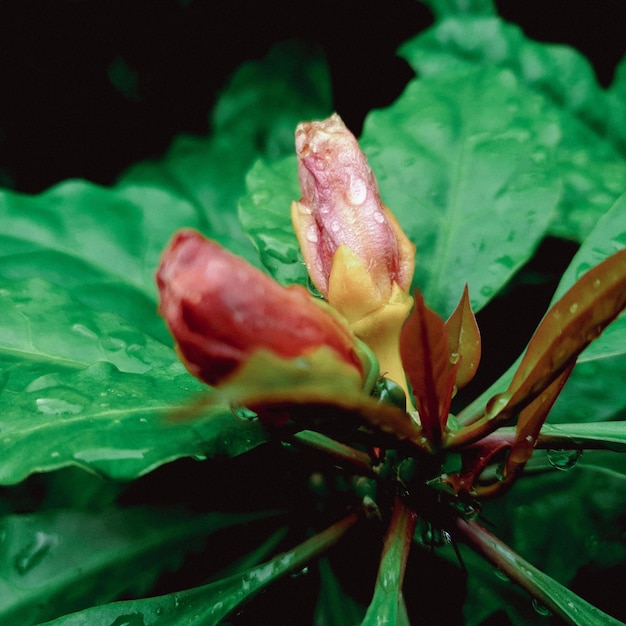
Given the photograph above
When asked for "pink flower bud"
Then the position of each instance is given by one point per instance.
(341, 205)
(220, 310)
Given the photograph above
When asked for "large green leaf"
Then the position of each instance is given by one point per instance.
(587, 120)
(88, 373)
(117, 423)
(595, 390)
(586, 504)
(463, 162)
(210, 604)
(63, 560)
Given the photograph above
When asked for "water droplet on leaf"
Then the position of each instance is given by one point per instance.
(540, 609)
(243, 412)
(31, 555)
(563, 459)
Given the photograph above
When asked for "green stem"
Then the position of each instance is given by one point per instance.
(386, 605)
(551, 594)
(346, 455)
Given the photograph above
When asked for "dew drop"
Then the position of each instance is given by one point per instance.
(33, 553)
(311, 234)
(81, 329)
(486, 291)
(379, 217)
(563, 459)
(303, 572)
(243, 412)
(60, 406)
(501, 575)
(596, 283)
(573, 308)
(541, 609)
(454, 358)
(357, 191)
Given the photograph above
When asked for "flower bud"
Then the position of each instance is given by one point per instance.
(341, 207)
(357, 255)
(221, 310)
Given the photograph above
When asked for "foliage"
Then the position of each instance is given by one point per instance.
(499, 143)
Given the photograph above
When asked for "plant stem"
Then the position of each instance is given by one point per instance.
(347, 455)
(386, 605)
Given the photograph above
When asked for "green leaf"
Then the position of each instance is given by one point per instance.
(587, 122)
(265, 215)
(551, 594)
(210, 604)
(608, 435)
(580, 512)
(58, 561)
(594, 391)
(116, 423)
(334, 606)
(463, 162)
(78, 294)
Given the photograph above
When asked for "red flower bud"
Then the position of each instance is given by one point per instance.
(341, 205)
(220, 310)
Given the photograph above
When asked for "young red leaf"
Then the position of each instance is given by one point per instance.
(566, 330)
(464, 340)
(529, 423)
(425, 356)
(570, 326)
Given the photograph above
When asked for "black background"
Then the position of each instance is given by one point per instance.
(61, 117)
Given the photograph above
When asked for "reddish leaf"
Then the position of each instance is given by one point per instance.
(570, 326)
(425, 356)
(464, 340)
(566, 330)
(529, 423)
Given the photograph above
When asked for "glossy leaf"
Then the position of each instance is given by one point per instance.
(575, 320)
(587, 121)
(462, 161)
(210, 604)
(571, 324)
(426, 360)
(385, 607)
(59, 561)
(306, 385)
(334, 606)
(600, 435)
(78, 294)
(464, 340)
(593, 392)
(580, 544)
(529, 423)
(119, 424)
(552, 595)
(265, 215)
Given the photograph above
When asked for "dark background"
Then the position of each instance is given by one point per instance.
(90, 86)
